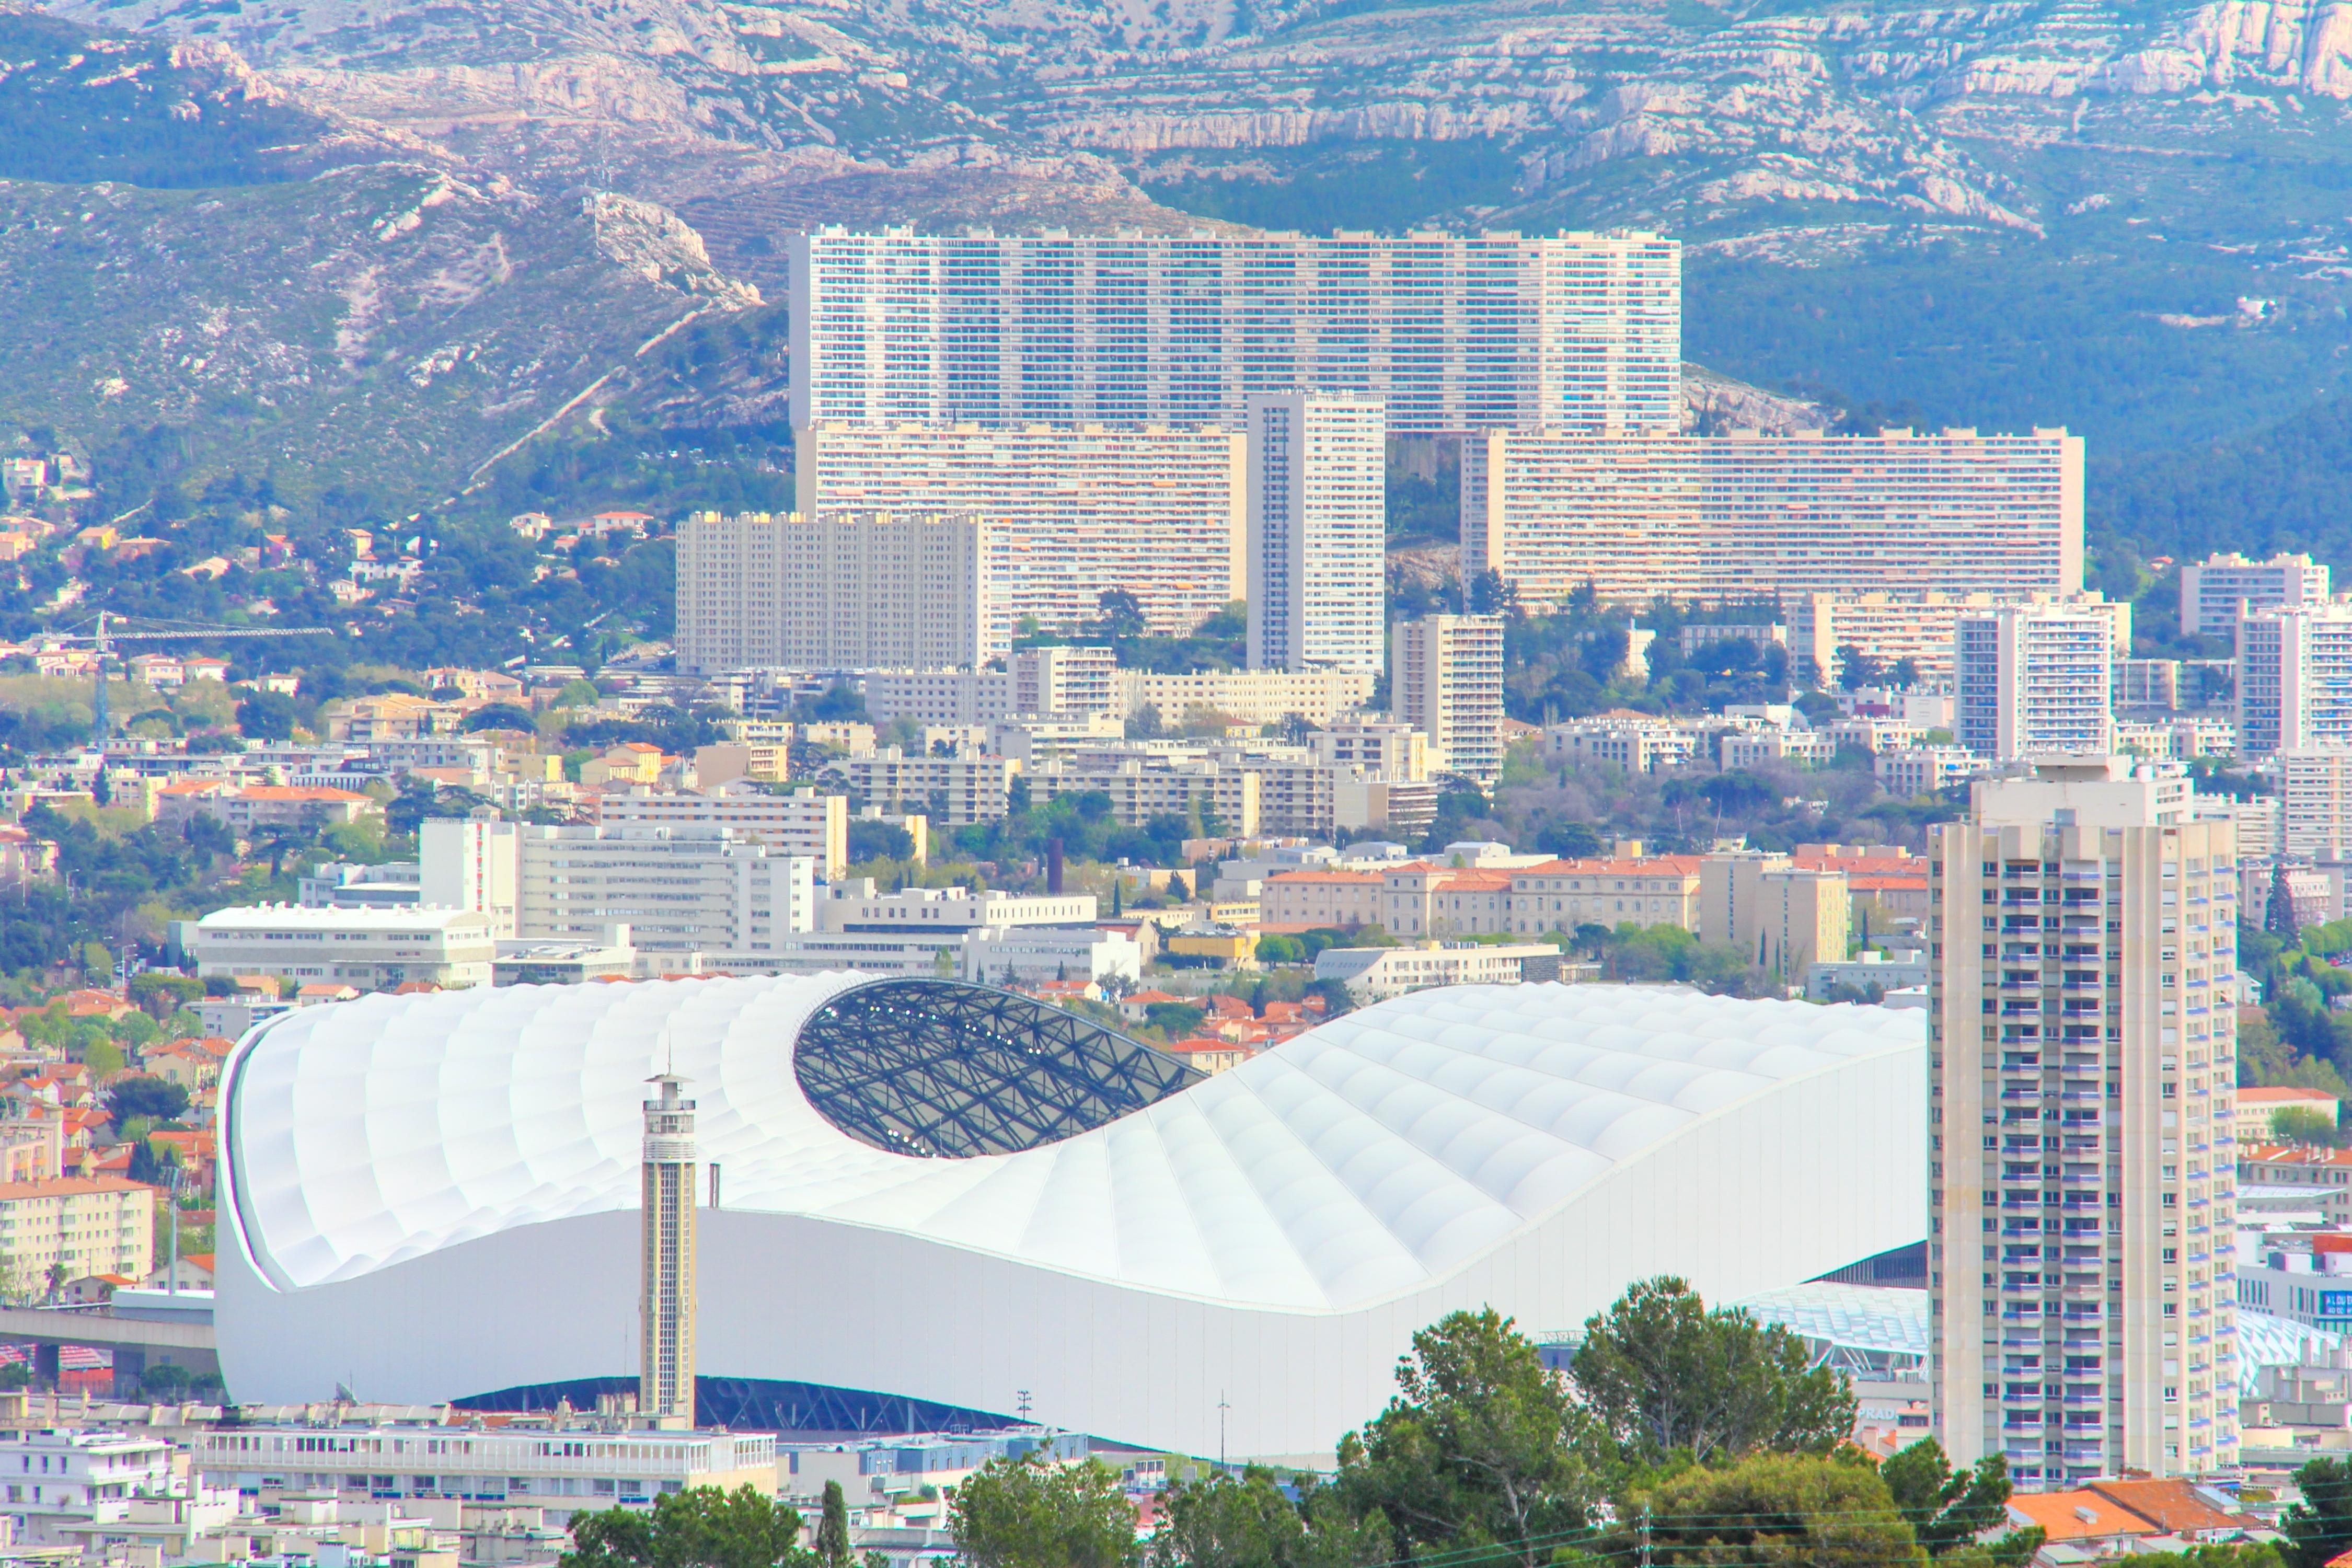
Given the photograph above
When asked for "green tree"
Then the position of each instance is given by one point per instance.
(1947, 1507)
(1245, 1521)
(2278, 913)
(268, 716)
(161, 994)
(1477, 1449)
(702, 1526)
(1773, 1510)
(1028, 1513)
(1666, 1375)
(2300, 1125)
(2319, 1528)
(832, 1529)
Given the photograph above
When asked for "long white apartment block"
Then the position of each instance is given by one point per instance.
(803, 822)
(367, 948)
(691, 887)
(1155, 511)
(1709, 518)
(1245, 695)
(2082, 1182)
(1318, 532)
(847, 589)
(1445, 680)
(1456, 332)
(2294, 679)
(2216, 590)
(2035, 679)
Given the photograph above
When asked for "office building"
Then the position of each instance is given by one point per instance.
(2028, 679)
(2216, 590)
(804, 822)
(1445, 680)
(2294, 679)
(1318, 536)
(1154, 512)
(371, 948)
(1456, 332)
(1709, 519)
(2315, 801)
(843, 590)
(1116, 1193)
(666, 1205)
(2082, 1187)
(468, 863)
(683, 888)
(1245, 696)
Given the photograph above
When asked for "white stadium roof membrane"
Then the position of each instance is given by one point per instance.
(434, 1196)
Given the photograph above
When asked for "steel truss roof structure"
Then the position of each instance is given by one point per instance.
(943, 1069)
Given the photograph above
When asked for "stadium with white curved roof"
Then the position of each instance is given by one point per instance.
(933, 1192)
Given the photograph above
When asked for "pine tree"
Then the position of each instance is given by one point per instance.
(2278, 915)
(832, 1529)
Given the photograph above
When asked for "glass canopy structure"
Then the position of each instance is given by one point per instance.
(941, 1068)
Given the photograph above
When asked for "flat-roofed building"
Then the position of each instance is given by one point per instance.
(848, 588)
(1309, 899)
(1155, 511)
(565, 1467)
(949, 791)
(2033, 680)
(1458, 331)
(1709, 519)
(2294, 679)
(371, 948)
(82, 1225)
(1245, 695)
(1445, 680)
(1318, 532)
(2216, 590)
(1612, 891)
(803, 822)
(683, 888)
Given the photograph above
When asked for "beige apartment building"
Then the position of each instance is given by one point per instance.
(80, 1225)
(1645, 890)
(1784, 918)
(1445, 680)
(2082, 1192)
(1340, 900)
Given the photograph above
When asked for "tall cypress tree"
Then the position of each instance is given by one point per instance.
(832, 1529)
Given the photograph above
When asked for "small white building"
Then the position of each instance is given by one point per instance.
(59, 1481)
(1376, 974)
(373, 949)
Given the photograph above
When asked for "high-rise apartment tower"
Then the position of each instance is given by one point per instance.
(2082, 1182)
(1316, 543)
(665, 1384)
(1445, 680)
(2294, 679)
(2038, 678)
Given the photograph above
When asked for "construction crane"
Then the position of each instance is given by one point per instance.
(104, 637)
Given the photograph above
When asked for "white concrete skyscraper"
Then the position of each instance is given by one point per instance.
(1318, 498)
(2033, 678)
(665, 1382)
(2081, 1184)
